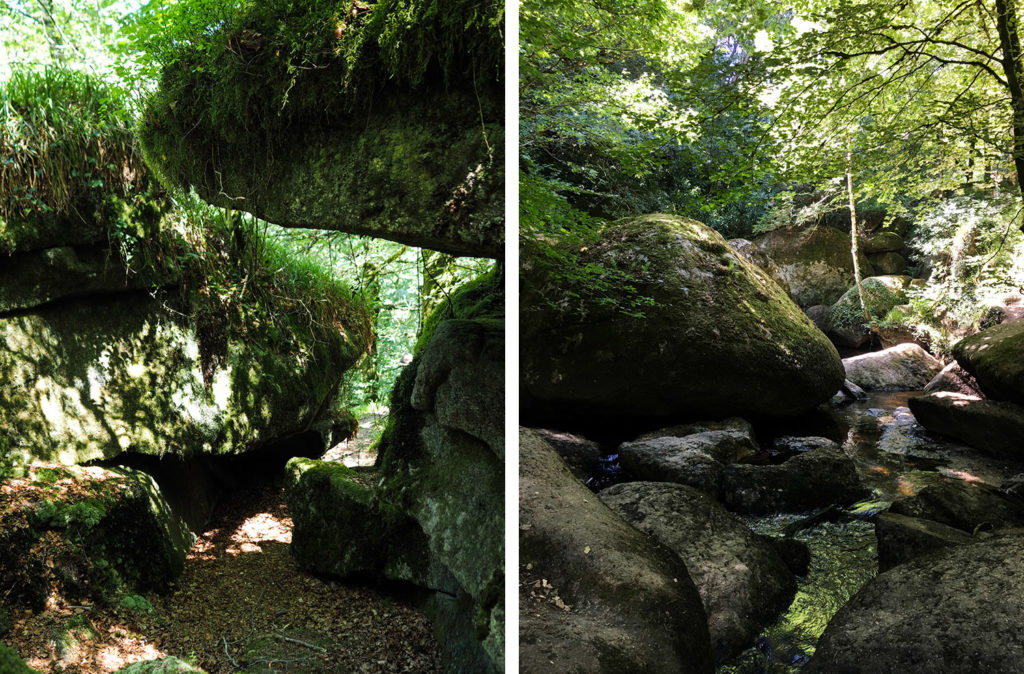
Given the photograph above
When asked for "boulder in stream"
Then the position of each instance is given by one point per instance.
(956, 611)
(717, 338)
(742, 580)
(608, 598)
(994, 427)
(967, 506)
(809, 480)
(995, 357)
(696, 460)
(902, 538)
(904, 367)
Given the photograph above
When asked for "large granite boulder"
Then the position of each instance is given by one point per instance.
(995, 427)
(957, 611)
(391, 127)
(963, 505)
(129, 372)
(954, 379)
(432, 513)
(846, 317)
(995, 357)
(719, 338)
(904, 367)
(742, 580)
(884, 242)
(888, 263)
(754, 254)
(816, 262)
(624, 602)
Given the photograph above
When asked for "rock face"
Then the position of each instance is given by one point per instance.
(433, 513)
(417, 160)
(995, 357)
(992, 426)
(902, 538)
(696, 460)
(632, 605)
(742, 580)
(815, 261)
(683, 357)
(110, 374)
(846, 318)
(956, 611)
(811, 479)
(904, 367)
(954, 379)
(963, 505)
(758, 257)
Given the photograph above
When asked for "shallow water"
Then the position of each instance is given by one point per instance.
(895, 457)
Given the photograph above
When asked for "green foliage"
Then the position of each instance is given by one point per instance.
(137, 604)
(243, 60)
(879, 298)
(66, 143)
(84, 514)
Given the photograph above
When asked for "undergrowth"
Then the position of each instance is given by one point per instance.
(66, 144)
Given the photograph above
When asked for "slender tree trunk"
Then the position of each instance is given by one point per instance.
(853, 229)
(54, 37)
(1013, 68)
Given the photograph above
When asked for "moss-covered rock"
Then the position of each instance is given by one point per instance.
(816, 262)
(412, 158)
(87, 533)
(435, 513)
(888, 263)
(884, 242)
(847, 325)
(996, 359)
(719, 339)
(11, 662)
(97, 377)
(168, 665)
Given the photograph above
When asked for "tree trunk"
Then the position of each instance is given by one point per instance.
(54, 37)
(1009, 42)
(853, 230)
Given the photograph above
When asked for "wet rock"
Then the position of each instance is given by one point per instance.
(581, 455)
(742, 580)
(815, 261)
(806, 481)
(905, 367)
(954, 379)
(795, 554)
(849, 393)
(957, 611)
(902, 538)
(995, 357)
(682, 362)
(995, 427)
(965, 505)
(789, 444)
(1013, 486)
(696, 460)
(632, 604)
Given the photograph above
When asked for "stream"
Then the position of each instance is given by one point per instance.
(895, 457)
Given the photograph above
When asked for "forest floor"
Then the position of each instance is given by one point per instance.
(241, 604)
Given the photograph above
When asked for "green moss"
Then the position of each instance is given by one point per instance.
(881, 294)
(11, 662)
(483, 299)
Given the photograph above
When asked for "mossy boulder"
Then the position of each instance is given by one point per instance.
(168, 665)
(992, 426)
(904, 367)
(132, 373)
(435, 515)
(719, 337)
(33, 278)
(995, 357)
(816, 262)
(87, 533)
(847, 325)
(406, 143)
(596, 594)
(888, 263)
(884, 242)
